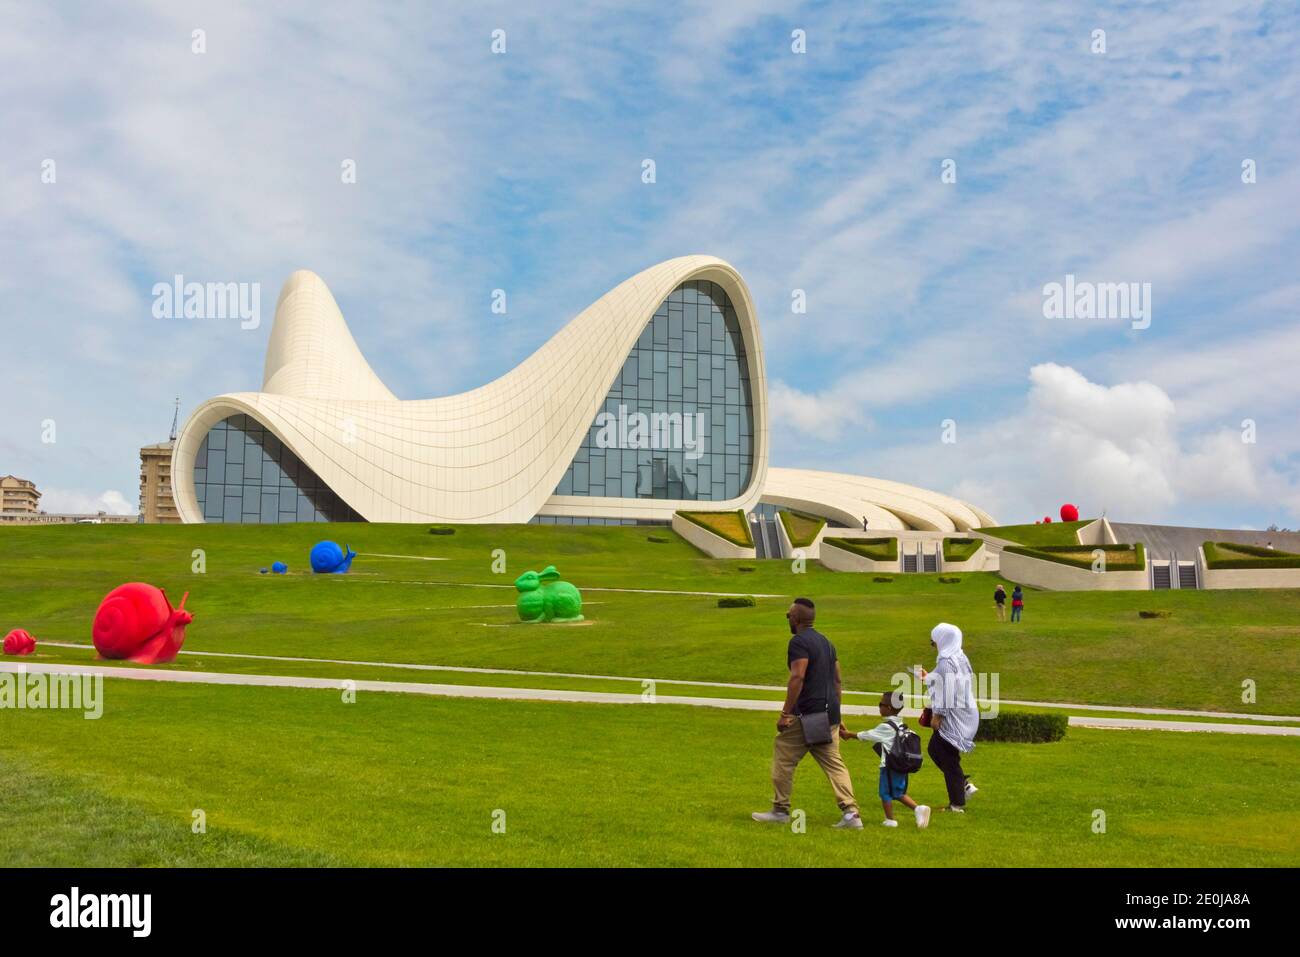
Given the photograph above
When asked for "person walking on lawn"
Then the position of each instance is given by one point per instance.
(810, 720)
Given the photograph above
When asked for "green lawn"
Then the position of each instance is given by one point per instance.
(299, 777)
(1072, 646)
(1049, 533)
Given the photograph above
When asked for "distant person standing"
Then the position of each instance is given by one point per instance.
(864, 525)
(810, 720)
(1000, 601)
(1269, 546)
(1017, 603)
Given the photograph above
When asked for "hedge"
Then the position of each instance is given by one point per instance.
(658, 539)
(736, 601)
(729, 526)
(960, 549)
(1119, 558)
(442, 530)
(802, 529)
(876, 549)
(1025, 727)
(1052, 533)
(1220, 555)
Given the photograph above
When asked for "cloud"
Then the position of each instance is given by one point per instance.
(79, 502)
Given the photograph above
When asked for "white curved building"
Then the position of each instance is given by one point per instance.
(652, 399)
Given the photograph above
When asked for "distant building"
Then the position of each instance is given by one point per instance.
(18, 496)
(44, 518)
(157, 507)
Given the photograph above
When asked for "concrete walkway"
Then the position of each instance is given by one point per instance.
(1055, 705)
(575, 697)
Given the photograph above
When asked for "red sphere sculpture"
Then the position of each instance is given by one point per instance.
(135, 621)
(19, 642)
(1069, 513)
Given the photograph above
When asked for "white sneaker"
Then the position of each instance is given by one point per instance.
(922, 815)
(953, 810)
(889, 822)
(852, 821)
(970, 788)
(771, 817)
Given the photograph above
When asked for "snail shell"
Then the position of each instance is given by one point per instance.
(19, 642)
(135, 621)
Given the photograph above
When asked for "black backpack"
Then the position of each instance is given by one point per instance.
(904, 755)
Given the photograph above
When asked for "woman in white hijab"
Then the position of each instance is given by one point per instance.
(955, 714)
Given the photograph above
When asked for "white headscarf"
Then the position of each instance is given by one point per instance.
(947, 638)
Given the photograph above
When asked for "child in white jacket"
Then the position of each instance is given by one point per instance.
(893, 784)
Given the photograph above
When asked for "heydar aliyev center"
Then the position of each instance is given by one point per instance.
(653, 399)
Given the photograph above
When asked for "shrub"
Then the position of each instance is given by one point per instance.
(1023, 727)
(736, 601)
(746, 568)
(658, 539)
(876, 549)
(1154, 614)
(442, 530)
(948, 581)
(883, 579)
(1119, 558)
(1233, 555)
(729, 526)
(960, 549)
(802, 529)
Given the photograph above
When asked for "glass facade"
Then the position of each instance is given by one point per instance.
(678, 422)
(243, 473)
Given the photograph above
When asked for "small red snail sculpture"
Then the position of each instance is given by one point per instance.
(135, 621)
(19, 642)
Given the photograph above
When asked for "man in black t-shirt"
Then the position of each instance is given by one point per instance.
(813, 688)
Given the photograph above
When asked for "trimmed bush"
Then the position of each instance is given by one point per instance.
(1154, 614)
(746, 568)
(883, 579)
(729, 526)
(948, 581)
(1221, 555)
(1119, 558)
(1023, 727)
(876, 549)
(960, 549)
(442, 530)
(658, 539)
(736, 601)
(802, 529)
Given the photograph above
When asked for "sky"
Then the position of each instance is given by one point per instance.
(917, 174)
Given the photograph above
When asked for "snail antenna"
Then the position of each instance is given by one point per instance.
(182, 604)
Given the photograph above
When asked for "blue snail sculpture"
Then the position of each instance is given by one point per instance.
(327, 558)
(543, 597)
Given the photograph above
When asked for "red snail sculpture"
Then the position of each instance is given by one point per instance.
(1069, 513)
(135, 621)
(19, 642)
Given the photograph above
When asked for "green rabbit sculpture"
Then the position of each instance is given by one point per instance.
(543, 597)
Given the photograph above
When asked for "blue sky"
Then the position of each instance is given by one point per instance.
(818, 171)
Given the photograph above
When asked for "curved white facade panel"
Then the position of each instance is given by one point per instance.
(497, 453)
(494, 454)
(886, 505)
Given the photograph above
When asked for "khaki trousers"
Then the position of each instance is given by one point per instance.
(788, 750)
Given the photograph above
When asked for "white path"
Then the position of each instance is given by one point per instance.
(549, 694)
(585, 588)
(1062, 706)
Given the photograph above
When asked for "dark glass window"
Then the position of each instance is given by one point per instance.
(677, 422)
(243, 473)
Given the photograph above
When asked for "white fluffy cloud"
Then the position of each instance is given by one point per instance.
(80, 502)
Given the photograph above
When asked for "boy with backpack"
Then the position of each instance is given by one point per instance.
(899, 748)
